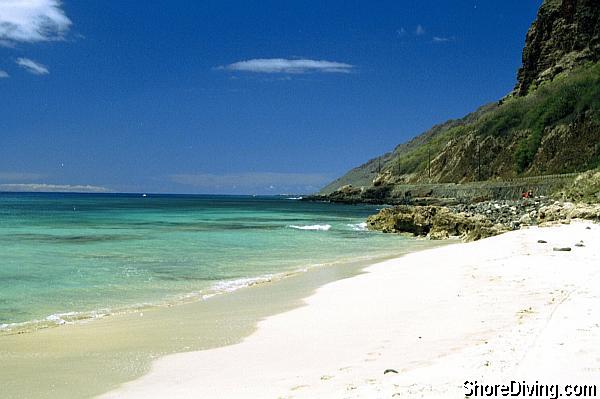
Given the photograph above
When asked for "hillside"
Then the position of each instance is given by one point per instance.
(549, 124)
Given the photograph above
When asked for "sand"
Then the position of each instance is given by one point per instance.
(500, 309)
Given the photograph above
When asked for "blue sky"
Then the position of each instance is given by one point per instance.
(237, 96)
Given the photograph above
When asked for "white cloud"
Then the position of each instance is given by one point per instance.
(12, 176)
(439, 39)
(257, 182)
(32, 21)
(282, 65)
(52, 188)
(419, 31)
(32, 67)
(3, 74)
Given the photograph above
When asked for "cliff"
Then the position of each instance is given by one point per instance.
(549, 124)
(564, 35)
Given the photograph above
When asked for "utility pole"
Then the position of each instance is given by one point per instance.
(429, 162)
(478, 160)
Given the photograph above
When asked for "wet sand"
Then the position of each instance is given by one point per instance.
(86, 359)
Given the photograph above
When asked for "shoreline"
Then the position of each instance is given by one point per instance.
(85, 359)
(489, 316)
(59, 319)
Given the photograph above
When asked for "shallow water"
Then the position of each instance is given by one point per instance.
(66, 257)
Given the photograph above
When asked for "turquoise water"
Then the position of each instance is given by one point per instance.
(70, 256)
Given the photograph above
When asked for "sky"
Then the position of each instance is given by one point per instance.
(233, 96)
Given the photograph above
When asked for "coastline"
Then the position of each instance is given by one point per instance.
(222, 287)
(87, 358)
(236, 200)
(502, 308)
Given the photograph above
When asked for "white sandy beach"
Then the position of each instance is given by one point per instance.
(491, 311)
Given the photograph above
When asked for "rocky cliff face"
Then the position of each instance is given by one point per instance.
(549, 125)
(566, 33)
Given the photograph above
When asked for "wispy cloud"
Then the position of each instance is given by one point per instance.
(441, 39)
(420, 31)
(53, 188)
(16, 176)
(3, 74)
(32, 21)
(259, 182)
(32, 67)
(282, 65)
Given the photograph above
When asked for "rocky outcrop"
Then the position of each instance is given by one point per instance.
(585, 188)
(528, 211)
(567, 211)
(433, 222)
(475, 221)
(565, 34)
(511, 214)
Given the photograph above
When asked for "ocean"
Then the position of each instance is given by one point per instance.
(71, 257)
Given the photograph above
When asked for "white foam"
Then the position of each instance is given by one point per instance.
(232, 285)
(321, 227)
(358, 226)
(294, 198)
(56, 319)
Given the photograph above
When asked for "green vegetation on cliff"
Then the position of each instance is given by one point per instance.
(561, 101)
(555, 129)
(550, 124)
